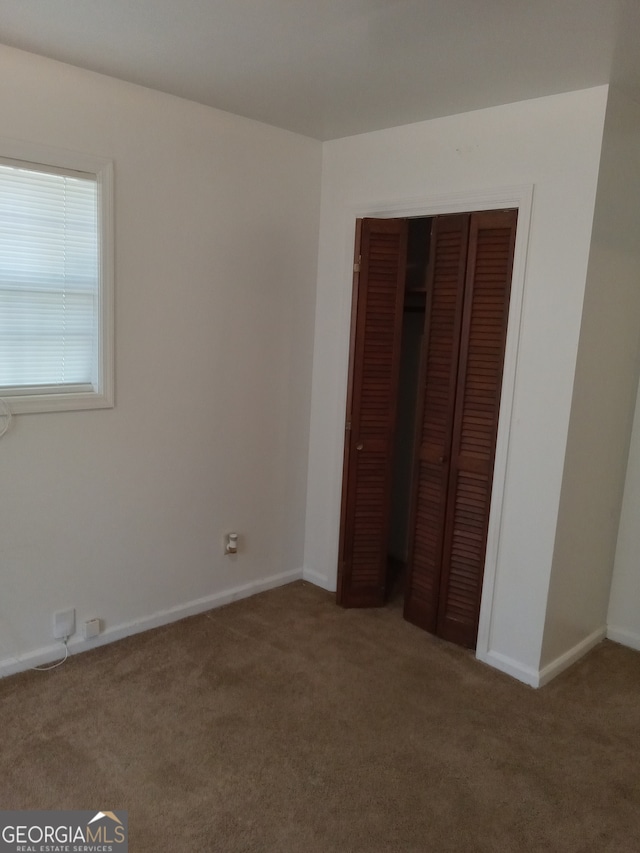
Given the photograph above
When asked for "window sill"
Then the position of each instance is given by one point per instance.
(61, 401)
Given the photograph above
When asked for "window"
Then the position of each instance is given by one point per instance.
(56, 323)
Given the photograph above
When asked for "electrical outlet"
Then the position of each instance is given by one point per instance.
(64, 624)
(231, 543)
(91, 628)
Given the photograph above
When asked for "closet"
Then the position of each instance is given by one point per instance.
(466, 285)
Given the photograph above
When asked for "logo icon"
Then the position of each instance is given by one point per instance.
(100, 815)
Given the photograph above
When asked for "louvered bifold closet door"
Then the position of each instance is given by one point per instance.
(484, 330)
(435, 415)
(371, 410)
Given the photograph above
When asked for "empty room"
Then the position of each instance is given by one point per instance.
(319, 362)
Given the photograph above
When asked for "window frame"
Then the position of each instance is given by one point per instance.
(74, 398)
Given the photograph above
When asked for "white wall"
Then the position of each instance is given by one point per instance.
(603, 398)
(623, 618)
(120, 513)
(554, 144)
(624, 607)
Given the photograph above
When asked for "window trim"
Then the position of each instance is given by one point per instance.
(101, 394)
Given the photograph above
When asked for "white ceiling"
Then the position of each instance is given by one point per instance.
(331, 68)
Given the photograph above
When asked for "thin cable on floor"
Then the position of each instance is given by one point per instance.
(54, 665)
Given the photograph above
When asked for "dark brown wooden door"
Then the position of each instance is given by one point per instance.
(484, 332)
(374, 363)
(436, 404)
(466, 324)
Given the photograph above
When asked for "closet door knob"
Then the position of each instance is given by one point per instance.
(359, 445)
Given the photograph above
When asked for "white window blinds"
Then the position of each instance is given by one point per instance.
(49, 278)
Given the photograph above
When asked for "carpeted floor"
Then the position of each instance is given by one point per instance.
(283, 723)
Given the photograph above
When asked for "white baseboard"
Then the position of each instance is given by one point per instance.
(319, 580)
(538, 678)
(511, 667)
(49, 654)
(624, 637)
(564, 661)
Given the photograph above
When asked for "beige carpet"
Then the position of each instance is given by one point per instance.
(283, 723)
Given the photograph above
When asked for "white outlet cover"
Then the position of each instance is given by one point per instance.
(64, 624)
(91, 628)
